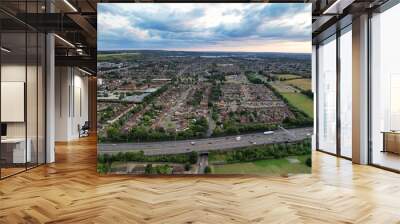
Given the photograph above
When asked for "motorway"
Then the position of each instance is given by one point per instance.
(207, 144)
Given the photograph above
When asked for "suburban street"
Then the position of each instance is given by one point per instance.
(208, 144)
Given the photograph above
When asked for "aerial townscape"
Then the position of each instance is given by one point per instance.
(181, 112)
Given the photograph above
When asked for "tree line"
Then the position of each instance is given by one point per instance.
(261, 152)
(104, 161)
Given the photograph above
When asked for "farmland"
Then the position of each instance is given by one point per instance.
(303, 84)
(300, 101)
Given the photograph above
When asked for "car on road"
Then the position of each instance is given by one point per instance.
(192, 143)
(238, 138)
(268, 132)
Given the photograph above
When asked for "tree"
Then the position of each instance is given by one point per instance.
(113, 134)
(149, 169)
(207, 170)
(102, 168)
(193, 157)
(188, 166)
(308, 162)
(121, 96)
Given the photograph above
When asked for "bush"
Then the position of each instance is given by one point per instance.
(207, 170)
(193, 157)
(164, 169)
(190, 158)
(161, 169)
(188, 166)
(309, 162)
(149, 169)
(308, 93)
(103, 168)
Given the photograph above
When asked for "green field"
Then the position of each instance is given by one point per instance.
(287, 76)
(301, 102)
(265, 167)
(304, 84)
(118, 57)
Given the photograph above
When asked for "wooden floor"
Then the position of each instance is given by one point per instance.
(8, 171)
(70, 191)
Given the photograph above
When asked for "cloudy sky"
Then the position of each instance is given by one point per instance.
(247, 27)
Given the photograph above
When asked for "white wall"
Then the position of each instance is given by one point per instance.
(33, 125)
(61, 103)
(71, 102)
(12, 73)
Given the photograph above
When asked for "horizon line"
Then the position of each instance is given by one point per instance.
(200, 51)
